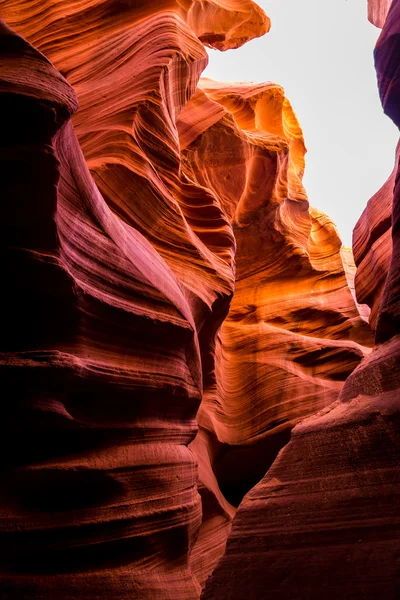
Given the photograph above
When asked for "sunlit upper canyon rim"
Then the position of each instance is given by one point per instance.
(200, 382)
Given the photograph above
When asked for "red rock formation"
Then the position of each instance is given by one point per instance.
(372, 245)
(225, 24)
(293, 323)
(293, 320)
(350, 270)
(387, 61)
(103, 490)
(324, 522)
(130, 232)
(111, 285)
(377, 11)
(372, 237)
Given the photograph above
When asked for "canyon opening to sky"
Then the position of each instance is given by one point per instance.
(322, 54)
(201, 383)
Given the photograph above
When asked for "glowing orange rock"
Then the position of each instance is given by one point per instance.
(225, 24)
(324, 521)
(120, 277)
(292, 302)
(293, 332)
(178, 282)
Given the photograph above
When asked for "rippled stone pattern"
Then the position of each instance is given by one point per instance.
(387, 61)
(293, 332)
(115, 261)
(175, 305)
(372, 246)
(324, 522)
(102, 492)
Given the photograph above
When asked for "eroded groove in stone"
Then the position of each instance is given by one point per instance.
(176, 306)
(324, 521)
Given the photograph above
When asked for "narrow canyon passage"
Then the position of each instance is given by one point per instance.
(201, 387)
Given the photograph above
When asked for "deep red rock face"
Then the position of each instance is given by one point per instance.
(113, 272)
(324, 521)
(103, 486)
(293, 332)
(175, 308)
(372, 246)
(387, 63)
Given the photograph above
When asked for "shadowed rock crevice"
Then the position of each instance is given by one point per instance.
(175, 308)
(239, 469)
(324, 522)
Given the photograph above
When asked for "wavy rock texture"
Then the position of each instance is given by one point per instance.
(387, 61)
(326, 513)
(372, 236)
(104, 363)
(350, 270)
(324, 522)
(372, 246)
(293, 332)
(172, 262)
(103, 490)
(225, 24)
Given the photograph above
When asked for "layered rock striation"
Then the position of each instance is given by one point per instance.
(101, 495)
(326, 515)
(293, 332)
(372, 246)
(175, 307)
(103, 358)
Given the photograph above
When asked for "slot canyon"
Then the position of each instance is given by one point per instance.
(201, 384)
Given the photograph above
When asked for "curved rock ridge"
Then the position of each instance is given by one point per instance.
(351, 271)
(326, 513)
(103, 490)
(225, 24)
(128, 269)
(126, 122)
(372, 246)
(55, 26)
(128, 232)
(293, 332)
(324, 522)
(387, 61)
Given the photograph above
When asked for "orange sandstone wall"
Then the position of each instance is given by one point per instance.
(115, 262)
(175, 305)
(324, 521)
(293, 332)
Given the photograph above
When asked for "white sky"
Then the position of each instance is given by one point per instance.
(320, 51)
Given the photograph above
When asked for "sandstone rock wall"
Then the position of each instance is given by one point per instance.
(324, 521)
(293, 332)
(372, 246)
(175, 306)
